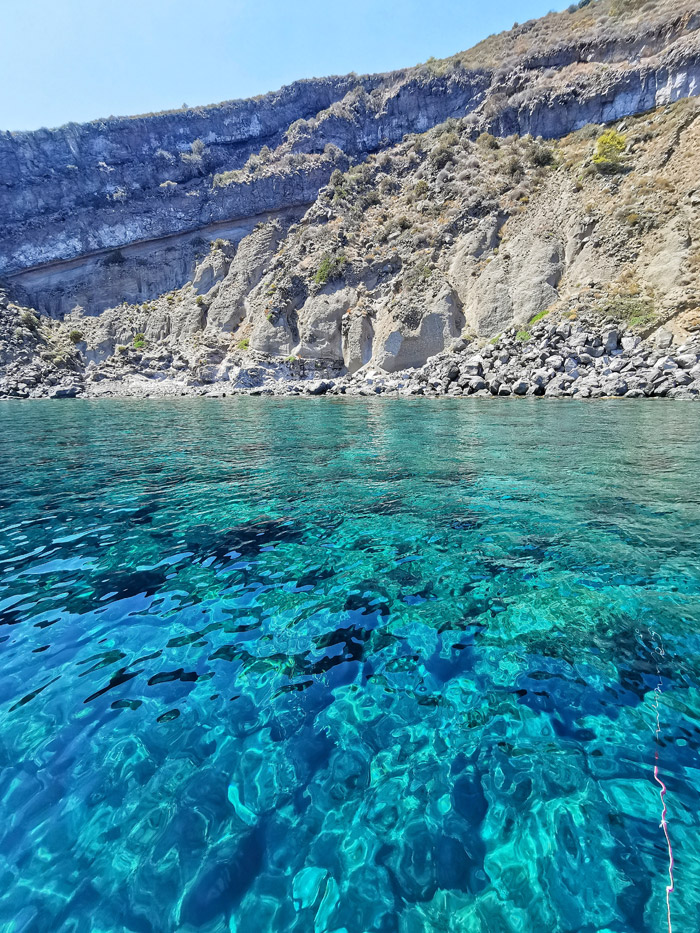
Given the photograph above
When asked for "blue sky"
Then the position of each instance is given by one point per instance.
(66, 60)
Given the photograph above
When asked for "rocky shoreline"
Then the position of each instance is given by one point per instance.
(557, 358)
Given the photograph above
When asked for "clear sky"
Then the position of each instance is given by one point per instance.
(66, 60)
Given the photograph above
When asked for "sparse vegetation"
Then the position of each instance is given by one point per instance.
(224, 179)
(75, 336)
(525, 333)
(444, 151)
(514, 166)
(196, 154)
(607, 157)
(637, 313)
(421, 190)
(29, 320)
(487, 141)
(139, 341)
(539, 155)
(535, 319)
(243, 344)
(356, 187)
(417, 275)
(331, 268)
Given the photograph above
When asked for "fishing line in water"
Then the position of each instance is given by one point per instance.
(658, 651)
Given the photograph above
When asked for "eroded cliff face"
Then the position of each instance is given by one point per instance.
(79, 189)
(369, 222)
(100, 185)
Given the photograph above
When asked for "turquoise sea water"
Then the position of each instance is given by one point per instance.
(372, 665)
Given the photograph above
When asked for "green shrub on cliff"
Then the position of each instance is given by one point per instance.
(539, 156)
(608, 152)
(421, 190)
(224, 179)
(525, 333)
(139, 341)
(638, 313)
(29, 320)
(514, 167)
(445, 151)
(536, 318)
(196, 153)
(331, 268)
(487, 141)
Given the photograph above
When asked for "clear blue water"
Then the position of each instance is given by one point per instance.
(314, 665)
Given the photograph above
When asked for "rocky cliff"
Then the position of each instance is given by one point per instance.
(367, 222)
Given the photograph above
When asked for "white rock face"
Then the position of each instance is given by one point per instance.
(245, 271)
(666, 254)
(272, 336)
(320, 325)
(519, 280)
(210, 272)
(397, 347)
(358, 341)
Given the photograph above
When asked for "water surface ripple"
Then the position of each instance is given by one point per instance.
(336, 666)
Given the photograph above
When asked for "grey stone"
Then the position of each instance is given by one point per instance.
(580, 339)
(474, 366)
(318, 387)
(662, 388)
(630, 343)
(681, 378)
(555, 361)
(70, 391)
(610, 339)
(665, 364)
